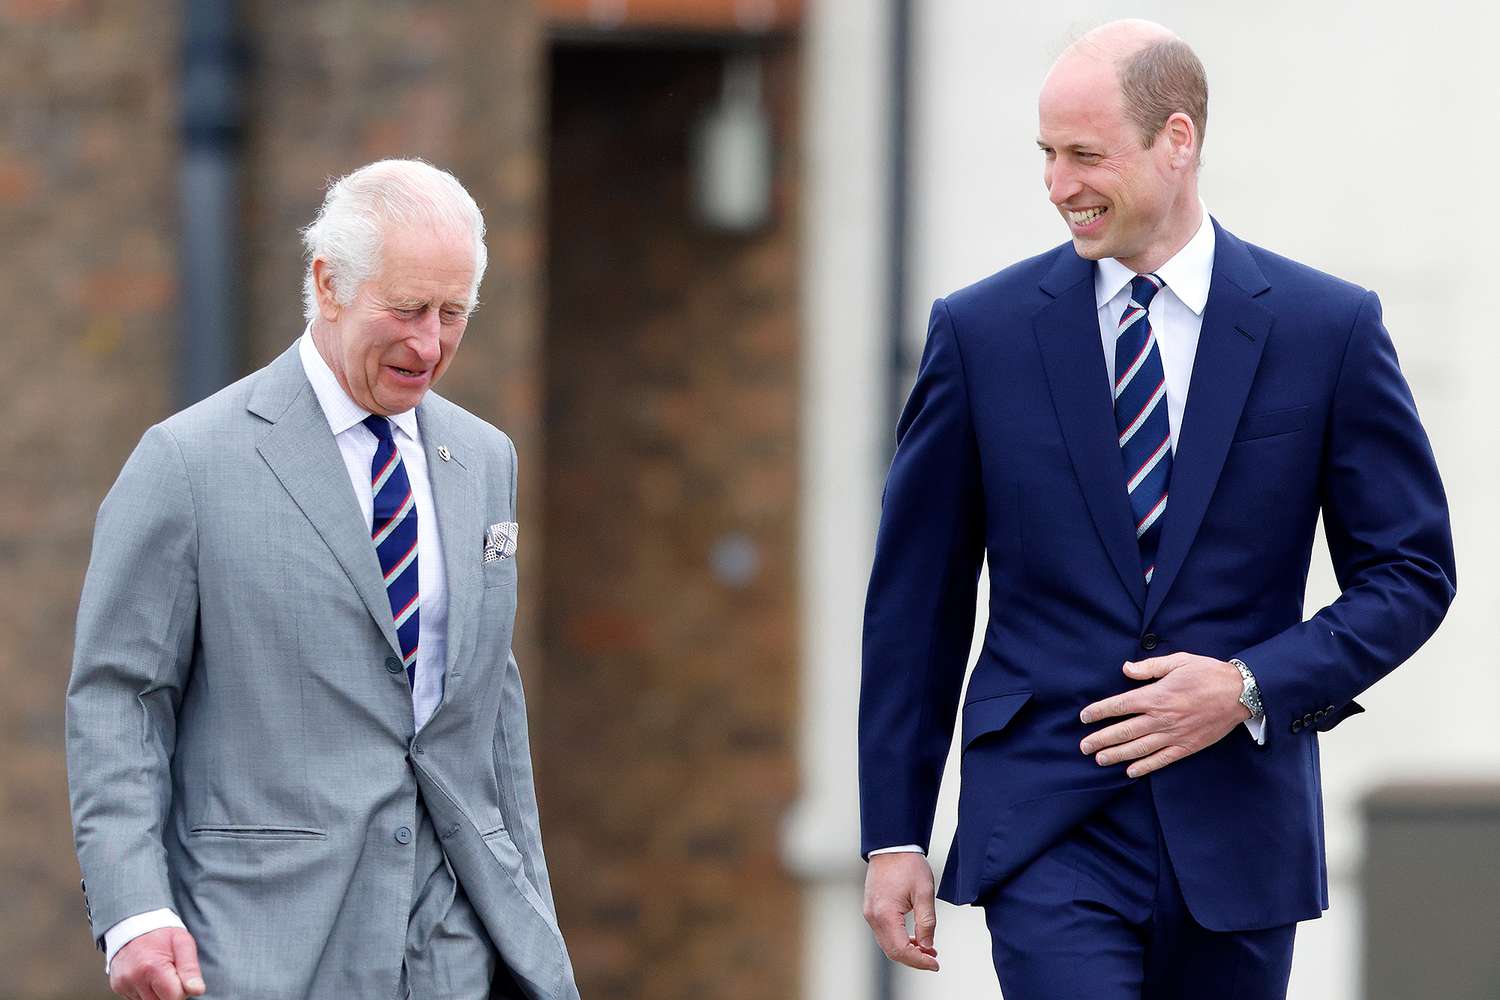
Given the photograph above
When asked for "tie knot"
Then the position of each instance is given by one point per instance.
(1143, 288)
(379, 426)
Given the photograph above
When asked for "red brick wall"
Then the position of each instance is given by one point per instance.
(88, 217)
(666, 745)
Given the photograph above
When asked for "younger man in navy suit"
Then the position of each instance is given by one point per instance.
(1139, 429)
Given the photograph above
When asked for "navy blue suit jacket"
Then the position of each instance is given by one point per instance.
(1007, 450)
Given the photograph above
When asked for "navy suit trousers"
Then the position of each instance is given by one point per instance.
(1100, 915)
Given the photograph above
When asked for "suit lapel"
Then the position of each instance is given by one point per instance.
(461, 525)
(1067, 333)
(1235, 329)
(301, 451)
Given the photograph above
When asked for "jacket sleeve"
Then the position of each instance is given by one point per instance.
(919, 612)
(132, 654)
(1386, 519)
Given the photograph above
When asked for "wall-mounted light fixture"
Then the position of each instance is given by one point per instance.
(732, 154)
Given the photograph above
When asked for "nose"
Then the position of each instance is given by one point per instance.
(424, 337)
(1061, 182)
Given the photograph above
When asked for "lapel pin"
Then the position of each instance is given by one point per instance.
(444, 453)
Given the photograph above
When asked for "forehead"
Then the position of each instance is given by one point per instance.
(1080, 101)
(421, 260)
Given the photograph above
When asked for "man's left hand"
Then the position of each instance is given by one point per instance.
(1192, 702)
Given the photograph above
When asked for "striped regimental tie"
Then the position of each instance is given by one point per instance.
(394, 531)
(1141, 417)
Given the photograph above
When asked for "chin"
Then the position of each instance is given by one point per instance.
(1090, 250)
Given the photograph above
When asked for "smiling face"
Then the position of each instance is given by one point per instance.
(399, 334)
(1119, 199)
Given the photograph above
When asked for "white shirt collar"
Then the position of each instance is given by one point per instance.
(342, 411)
(1188, 274)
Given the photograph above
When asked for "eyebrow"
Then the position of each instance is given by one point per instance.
(424, 303)
(1073, 147)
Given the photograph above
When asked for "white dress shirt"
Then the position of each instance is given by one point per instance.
(1176, 315)
(357, 446)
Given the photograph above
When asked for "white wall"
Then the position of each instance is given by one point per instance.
(843, 266)
(1360, 138)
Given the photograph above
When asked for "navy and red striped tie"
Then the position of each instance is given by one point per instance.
(394, 531)
(1141, 417)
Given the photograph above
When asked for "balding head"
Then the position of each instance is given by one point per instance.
(1157, 73)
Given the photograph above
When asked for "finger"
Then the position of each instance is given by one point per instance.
(1166, 755)
(1133, 750)
(185, 956)
(1121, 732)
(914, 956)
(890, 934)
(164, 985)
(924, 915)
(1154, 667)
(920, 947)
(1129, 703)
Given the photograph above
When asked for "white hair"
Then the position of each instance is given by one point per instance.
(358, 208)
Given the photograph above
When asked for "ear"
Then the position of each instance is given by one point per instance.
(1182, 140)
(328, 300)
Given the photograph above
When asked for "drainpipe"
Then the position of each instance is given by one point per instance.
(208, 189)
(897, 198)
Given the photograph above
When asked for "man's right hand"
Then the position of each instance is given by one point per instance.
(895, 885)
(159, 965)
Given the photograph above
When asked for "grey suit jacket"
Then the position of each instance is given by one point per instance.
(239, 729)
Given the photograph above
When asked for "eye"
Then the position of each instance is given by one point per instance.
(406, 313)
(453, 315)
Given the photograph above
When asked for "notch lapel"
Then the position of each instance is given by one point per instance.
(461, 530)
(1067, 334)
(1234, 333)
(301, 451)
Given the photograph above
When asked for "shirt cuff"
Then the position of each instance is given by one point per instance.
(130, 928)
(1256, 726)
(902, 849)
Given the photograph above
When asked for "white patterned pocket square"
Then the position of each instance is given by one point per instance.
(500, 541)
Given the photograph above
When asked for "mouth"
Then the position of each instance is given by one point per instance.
(1084, 219)
(409, 373)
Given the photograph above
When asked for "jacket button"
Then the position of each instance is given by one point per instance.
(1149, 640)
(403, 835)
(392, 665)
(1308, 720)
(1319, 714)
(1296, 725)
(1329, 709)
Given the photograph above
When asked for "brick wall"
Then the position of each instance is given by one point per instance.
(88, 216)
(666, 745)
(664, 716)
(87, 219)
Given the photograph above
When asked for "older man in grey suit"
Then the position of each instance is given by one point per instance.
(297, 741)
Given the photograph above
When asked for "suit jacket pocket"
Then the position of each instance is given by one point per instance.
(242, 831)
(991, 714)
(1270, 423)
(500, 573)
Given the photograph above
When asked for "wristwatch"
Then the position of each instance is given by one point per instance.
(1250, 693)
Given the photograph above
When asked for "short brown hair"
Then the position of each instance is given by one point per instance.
(1160, 80)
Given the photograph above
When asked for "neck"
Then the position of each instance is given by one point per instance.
(322, 337)
(1181, 227)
